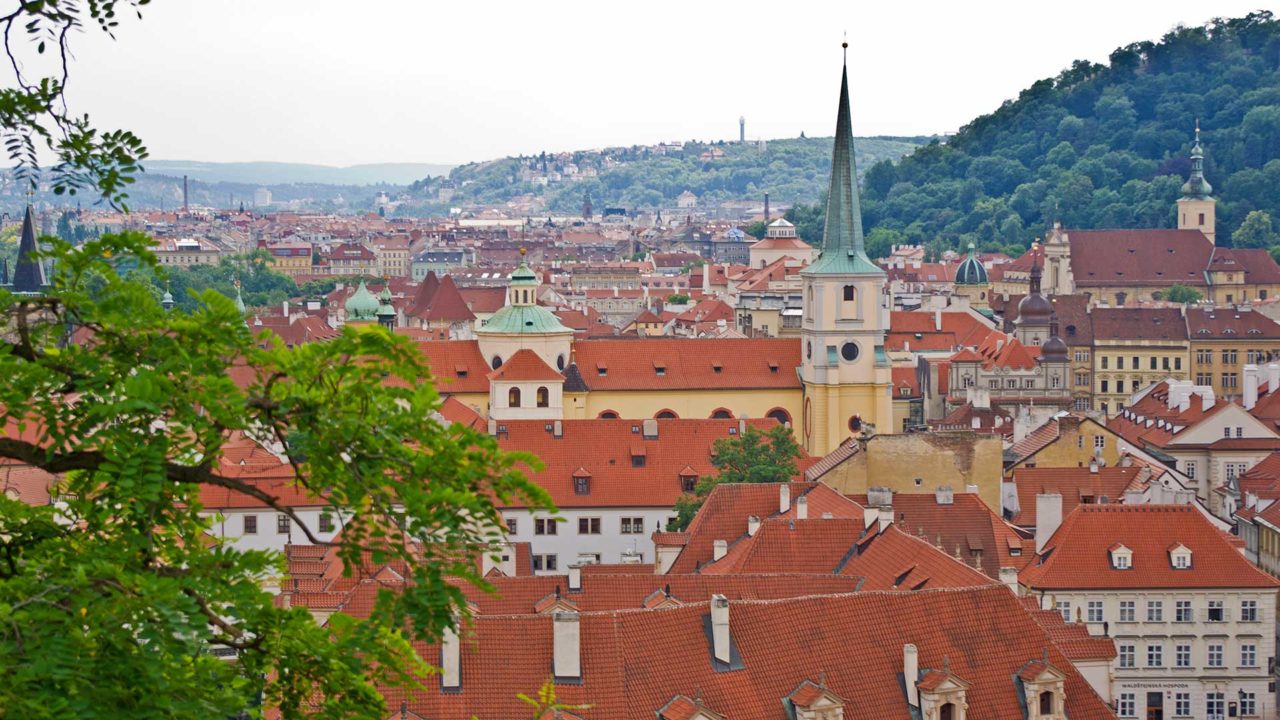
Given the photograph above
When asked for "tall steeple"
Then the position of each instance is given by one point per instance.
(1196, 187)
(28, 271)
(1197, 210)
(843, 247)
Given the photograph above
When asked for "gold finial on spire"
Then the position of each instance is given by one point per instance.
(522, 252)
(1197, 129)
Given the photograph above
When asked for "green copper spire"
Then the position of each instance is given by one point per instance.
(843, 249)
(239, 300)
(1196, 187)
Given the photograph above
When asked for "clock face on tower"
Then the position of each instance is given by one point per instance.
(849, 351)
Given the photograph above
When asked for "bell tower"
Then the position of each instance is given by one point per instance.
(844, 369)
(1196, 208)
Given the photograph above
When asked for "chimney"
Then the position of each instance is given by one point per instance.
(944, 495)
(1250, 386)
(185, 206)
(879, 496)
(557, 428)
(493, 427)
(911, 673)
(720, 628)
(784, 497)
(937, 320)
(1093, 466)
(753, 525)
(719, 549)
(575, 577)
(1207, 399)
(1048, 517)
(742, 427)
(285, 308)
(1273, 377)
(885, 517)
(971, 489)
(650, 428)
(802, 508)
(766, 209)
(450, 658)
(566, 646)
(1009, 578)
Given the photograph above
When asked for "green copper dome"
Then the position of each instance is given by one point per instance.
(524, 319)
(239, 300)
(1197, 187)
(384, 302)
(362, 305)
(971, 270)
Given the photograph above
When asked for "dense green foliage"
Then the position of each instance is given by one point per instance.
(112, 598)
(752, 457)
(791, 170)
(1099, 146)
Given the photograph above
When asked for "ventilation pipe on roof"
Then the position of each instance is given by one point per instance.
(720, 628)
(784, 497)
(802, 508)
(911, 673)
(566, 656)
(719, 549)
(450, 657)
(753, 525)
(1048, 517)
(575, 577)
(1251, 379)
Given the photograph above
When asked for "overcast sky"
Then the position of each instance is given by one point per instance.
(349, 82)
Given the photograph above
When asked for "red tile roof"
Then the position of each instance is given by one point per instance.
(919, 331)
(1139, 257)
(1077, 556)
(456, 365)
(526, 365)
(689, 363)
(1075, 484)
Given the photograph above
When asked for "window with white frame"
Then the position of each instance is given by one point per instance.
(1121, 557)
(1155, 656)
(1128, 611)
(1125, 655)
(1155, 611)
(632, 525)
(1182, 704)
(1248, 655)
(1064, 607)
(1248, 703)
(1190, 469)
(1094, 612)
(1182, 656)
(544, 526)
(1182, 611)
(1099, 442)
(1216, 612)
(1215, 705)
(1126, 705)
(1214, 655)
(545, 562)
(1248, 611)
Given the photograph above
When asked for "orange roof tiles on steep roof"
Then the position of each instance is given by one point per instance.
(1077, 556)
(689, 363)
(439, 301)
(920, 331)
(1073, 639)
(1151, 421)
(1229, 323)
(1076, 485)
(25, 483)
(854, 641)
(456, 365)
(526, 365)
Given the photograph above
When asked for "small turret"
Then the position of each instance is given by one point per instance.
(1197, 210)
(386, 313)
(362, 306)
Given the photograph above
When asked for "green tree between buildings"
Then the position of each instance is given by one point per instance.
(752, 457)
(1257, 231)
(1183, 294)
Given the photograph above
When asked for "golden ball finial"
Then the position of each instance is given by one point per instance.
(522, 252)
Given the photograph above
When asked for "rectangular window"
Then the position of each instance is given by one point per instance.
(282, 524)
(1128, 612)
(1216, 613)
(1155, 611)
(1104, 362)
(1152, 364)
(1182, 656)
(1155, 656)
(1228, 357)
(1190, 469)
(1012, 383)
(1228, 380)
(1234, 470)
(1248, 611)
(1064, 608)
(1177, 363)
(1095, 611)
(1204, 378)
(993, 384)
(1082, 356)
(1182, 611)
(1214, 705)
(588, 526)
(1119, 386)
(326, 523)
(632, 525)
(832, 357)
(1248, 700)
(1126, 705)
(1099, 442)
(1182, 704)
(250, 524)
(1248, 655)
(545, 563)
(544, 526)
(512, 526)
(1120, 363)
(1106, 386)
(1204, 357)
(1125, 653)
(1029, 383)
(1215, 655)
(637, 461)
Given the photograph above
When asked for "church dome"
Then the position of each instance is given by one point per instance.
(971, 270)
(1054, 350)
(362, 305)
(1034, 308)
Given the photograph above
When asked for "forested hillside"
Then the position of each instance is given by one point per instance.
(791, 170)
(1100, 146)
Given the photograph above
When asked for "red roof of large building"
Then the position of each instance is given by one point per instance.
(1078, 556)
(680, 364)
(922, 331)
(1076, 485)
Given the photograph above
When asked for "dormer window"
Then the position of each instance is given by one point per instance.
(1180, 557)
(1121, 557)
(581, 482)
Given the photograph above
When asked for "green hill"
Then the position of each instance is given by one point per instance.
(281, 173)
(790, 170)
(1101, 146)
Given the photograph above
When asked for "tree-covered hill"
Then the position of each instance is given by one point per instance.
(1101, 146)
(791, 170)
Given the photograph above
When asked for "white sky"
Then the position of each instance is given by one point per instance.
(350, 81)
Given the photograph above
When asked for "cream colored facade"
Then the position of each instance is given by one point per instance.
(1123, 367)
(922, 462)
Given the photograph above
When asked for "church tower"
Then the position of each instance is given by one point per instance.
(1196, 206)
(844, 369)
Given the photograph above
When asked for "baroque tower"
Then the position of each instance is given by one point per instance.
(1196, 207)
(844, 369)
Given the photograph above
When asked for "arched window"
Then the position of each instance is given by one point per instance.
(721, 414)
(780, 415)
(808, 304)
(666, 415)
(848, 302)
(608, 415)
(1046, 703)
(947, 712)
(544, 397)
(496, 362)
(513, 397)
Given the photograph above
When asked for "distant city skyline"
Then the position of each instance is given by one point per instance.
(336, 84)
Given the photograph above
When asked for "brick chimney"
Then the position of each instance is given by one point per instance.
(911, 673)
(784, 497)
(1048, 517)
(720, 628)
(566, 646)
(802, 508)
(450, 659)
(719, 548)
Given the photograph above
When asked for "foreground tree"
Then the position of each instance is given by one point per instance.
(112, 599)
(752, 457)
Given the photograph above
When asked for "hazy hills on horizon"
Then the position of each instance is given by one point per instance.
(285, 173)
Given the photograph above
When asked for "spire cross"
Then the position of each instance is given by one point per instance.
(1197, 130)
